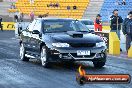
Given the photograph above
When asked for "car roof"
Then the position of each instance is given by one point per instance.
(55, 18)
(85, 20)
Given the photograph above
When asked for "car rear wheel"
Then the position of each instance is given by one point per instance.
(99, 63)
(44, 57)
(22, 53)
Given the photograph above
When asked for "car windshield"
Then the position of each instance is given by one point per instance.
(88, 22)
(64, 26)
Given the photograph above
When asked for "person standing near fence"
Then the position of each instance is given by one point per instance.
(16, 16)
(116, 21)
(127, 30)
(1, 27)
(98, 23)
(31, 16)
(21, 17)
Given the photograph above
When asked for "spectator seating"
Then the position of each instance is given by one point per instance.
(110, 5)
(40, 7)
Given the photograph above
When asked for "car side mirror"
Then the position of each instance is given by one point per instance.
(35, 32)
(92, 31)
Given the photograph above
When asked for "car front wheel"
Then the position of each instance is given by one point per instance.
(22, 53)
(44, 57)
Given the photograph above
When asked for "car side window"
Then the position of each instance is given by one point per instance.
(31, 26)
(37, 25)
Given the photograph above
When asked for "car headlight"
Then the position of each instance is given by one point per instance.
(100, 44)
(60, 44)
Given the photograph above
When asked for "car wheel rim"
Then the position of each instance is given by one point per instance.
(43, 57)
(21, 51)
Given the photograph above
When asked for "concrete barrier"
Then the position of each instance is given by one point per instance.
(12, 10)
(8, 25)
(130, 52)
(114, 44)
(106, 28)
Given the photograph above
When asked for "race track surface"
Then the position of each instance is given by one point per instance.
(15, 73)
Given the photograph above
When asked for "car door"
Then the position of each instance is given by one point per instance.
(36, 38)
(29, 33)
(25, 37)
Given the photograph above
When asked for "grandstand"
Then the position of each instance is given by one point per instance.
(109, 5)
(4, 6)
(40, 7)
(68, 8)
(93, 9)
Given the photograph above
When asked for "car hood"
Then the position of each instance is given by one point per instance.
(90, 27)
(72, 37)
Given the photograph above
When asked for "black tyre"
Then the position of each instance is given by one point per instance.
(22, 53)
(44, 57)
(99, 63)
